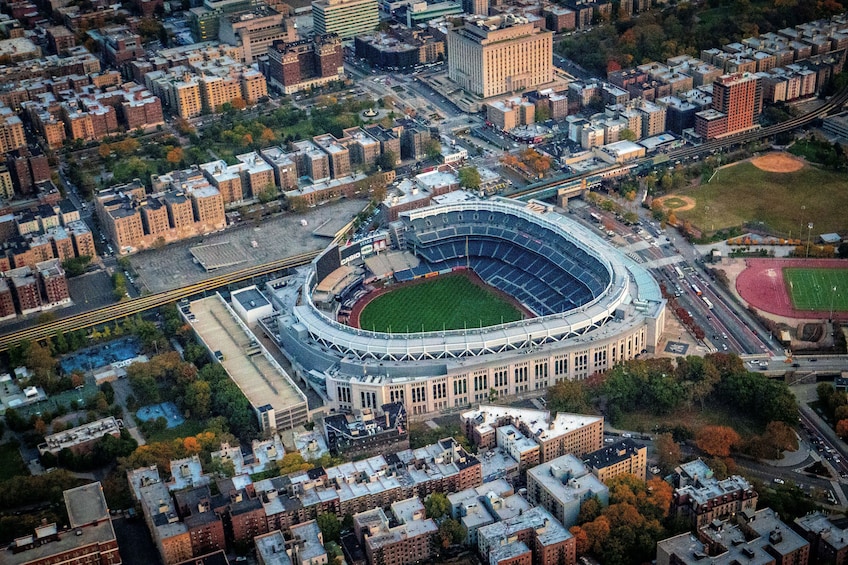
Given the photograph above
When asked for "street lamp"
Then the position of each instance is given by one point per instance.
(809, 232)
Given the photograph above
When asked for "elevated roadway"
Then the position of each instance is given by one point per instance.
(137, 305)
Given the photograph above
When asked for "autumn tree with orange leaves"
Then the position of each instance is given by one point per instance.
(717, 440)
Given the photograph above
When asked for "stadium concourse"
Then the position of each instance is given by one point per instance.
(592, 307)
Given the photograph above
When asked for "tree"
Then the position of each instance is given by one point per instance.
(581, 539)
(597, 532)
(543, 113)
(330, 527)
(717, 440)
(198, 399)
(841, 428)
(469, 177)
(568, 396)
(41, 362)
(589, 510)
(76, 266)
(668, 451)
(437, 505)
(627, 135)
(104, 150)
(451, 532)
(175, 155)
(388, 160)
(432, 148)
(292, 463)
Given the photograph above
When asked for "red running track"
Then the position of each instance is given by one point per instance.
(762, 286)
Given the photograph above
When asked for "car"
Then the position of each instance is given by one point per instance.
(609, 440)
(796, 365)
(779, 481)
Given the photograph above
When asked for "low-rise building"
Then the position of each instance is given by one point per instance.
(368, 433)
(82, 438)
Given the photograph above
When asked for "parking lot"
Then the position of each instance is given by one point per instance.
(275, 238)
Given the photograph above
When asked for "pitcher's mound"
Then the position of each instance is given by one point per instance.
(778, 163)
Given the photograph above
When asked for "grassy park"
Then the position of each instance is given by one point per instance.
(446, 302)
(813, 289)
(784, 202)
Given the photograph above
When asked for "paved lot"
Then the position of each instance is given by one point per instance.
(89, 291)
(276, 238)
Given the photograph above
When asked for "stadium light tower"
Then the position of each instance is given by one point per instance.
(809, 233)
(832, 297)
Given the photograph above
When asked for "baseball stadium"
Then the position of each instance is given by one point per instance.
(460, 302)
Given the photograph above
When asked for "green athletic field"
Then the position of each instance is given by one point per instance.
(812, 289)
(445, 302)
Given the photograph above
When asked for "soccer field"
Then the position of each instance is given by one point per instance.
(448, 302)
(813, 289)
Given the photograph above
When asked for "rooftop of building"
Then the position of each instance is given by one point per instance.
(548, 530)
(832, 529)
(539, 422)
(86, 505)
(250, 298)
(310, 534)
(271, 548)
(612, 454)
(509, 550)
(566, 478)
(81, 434)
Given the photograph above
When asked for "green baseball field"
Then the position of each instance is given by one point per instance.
(449, 302)
(813, 289)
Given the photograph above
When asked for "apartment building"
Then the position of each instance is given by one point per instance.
(337, 153)
(498, 55)
(748, 537)
(81, 439)
(827, 535)
(25, 291)
(414, 539)
(90, 537)
(622, 457)
(283, 166)
(562, 485)
(556, 436)
(701, 498)
(134, 220)
(535, 531)
(510, 113)
(11, 130)
(345, 18)
(256, 29)
(306, 63)
(54, 285)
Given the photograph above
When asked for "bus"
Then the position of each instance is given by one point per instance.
(695, 289)
(707, 302)
(679, 273)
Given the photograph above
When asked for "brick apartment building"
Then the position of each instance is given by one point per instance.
(306, 63)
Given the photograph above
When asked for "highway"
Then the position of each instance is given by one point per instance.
(134, 306)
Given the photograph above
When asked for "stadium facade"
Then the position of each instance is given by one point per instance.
(593, 307)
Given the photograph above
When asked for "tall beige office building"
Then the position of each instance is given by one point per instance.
(347, 18)
(501, 54)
